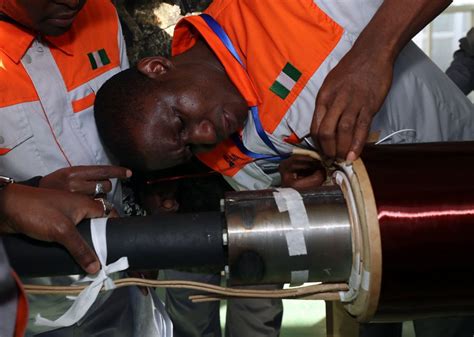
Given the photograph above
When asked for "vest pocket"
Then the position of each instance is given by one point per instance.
(14, 129)
(17, 146)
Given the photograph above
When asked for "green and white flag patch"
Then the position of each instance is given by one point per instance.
(98, 58)
(285, 81)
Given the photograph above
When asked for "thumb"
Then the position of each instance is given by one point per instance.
(80, 250)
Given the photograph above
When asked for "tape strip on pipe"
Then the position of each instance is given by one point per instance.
(289, 200)
(87, 297)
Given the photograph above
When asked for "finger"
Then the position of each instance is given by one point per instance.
(104, 186)
(309, 182)
(88, 186)
(361, 133)
(69, 237)
(319, 114)
(323, 100)
(169, 204)
(345, 131)
(299, 159)
(300, 165)
(90, 209)
(327, 129)
(101, 172)
(114, 214)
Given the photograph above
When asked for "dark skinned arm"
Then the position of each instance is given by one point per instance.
(50, 215)
(356, 88)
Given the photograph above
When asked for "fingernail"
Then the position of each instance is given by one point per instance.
(93, 267)
(128, 173)
(351, 156)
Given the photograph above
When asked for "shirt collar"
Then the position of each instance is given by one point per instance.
(15, 40)
(186, 33)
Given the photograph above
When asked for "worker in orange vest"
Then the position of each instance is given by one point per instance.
(54, 56)
(250, 80)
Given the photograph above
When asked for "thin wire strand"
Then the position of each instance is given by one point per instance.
(393, 134)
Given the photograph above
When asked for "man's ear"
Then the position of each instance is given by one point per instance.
(154, 66)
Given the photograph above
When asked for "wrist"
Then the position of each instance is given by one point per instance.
(377, 46)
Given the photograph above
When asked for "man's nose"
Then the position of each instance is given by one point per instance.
(203, 132)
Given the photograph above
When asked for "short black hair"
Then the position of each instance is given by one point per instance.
(120, 113)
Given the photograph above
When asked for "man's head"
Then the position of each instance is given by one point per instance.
(48, 17)
(158, 115)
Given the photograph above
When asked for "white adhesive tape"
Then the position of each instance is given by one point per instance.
(87, 297)
(289, 200)
(365, 280)
(354, 283)
(295, 242)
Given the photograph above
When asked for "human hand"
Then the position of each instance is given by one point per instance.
(350, 96)
(160, 198)
(301, 172)
(50, 215)
(83, 179)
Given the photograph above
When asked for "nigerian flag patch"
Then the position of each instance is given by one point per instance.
(98, 58)
(285, 81)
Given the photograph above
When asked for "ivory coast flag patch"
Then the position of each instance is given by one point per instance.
(285, 81)
(98, 58)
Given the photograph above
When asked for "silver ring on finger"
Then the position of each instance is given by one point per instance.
(99, 188)
(106, 205)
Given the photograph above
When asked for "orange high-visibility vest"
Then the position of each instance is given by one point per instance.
(281, 43)
(48, 86)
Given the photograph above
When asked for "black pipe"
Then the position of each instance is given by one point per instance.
(152, 242)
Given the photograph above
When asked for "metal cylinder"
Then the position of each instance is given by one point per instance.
(154, 242)
(258, 238)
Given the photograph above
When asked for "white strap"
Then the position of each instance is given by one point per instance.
(87, 297)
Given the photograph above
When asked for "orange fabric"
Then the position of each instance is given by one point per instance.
(22, 40)
(14, 75)
(11, 73)
(225, 158)
(292, 139)
(236, 72)
(90, 32)
(4, 150)
(267, 35)
(83, 103)
(22, 309)
(98, 20)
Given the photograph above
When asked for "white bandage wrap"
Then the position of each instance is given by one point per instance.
(289, 200)
(87, 297)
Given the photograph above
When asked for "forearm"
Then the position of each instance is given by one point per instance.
(395, 24)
